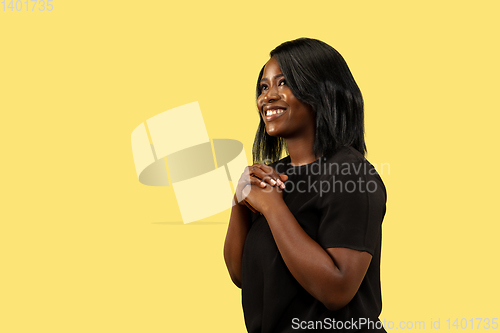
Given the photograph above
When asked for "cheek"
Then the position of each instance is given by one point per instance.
(259, 103)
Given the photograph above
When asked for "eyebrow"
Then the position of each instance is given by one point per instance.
(274, 77)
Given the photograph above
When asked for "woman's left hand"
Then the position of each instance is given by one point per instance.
(263, 199)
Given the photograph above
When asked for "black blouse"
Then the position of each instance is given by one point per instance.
(340, 202)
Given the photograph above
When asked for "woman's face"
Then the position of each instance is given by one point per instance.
(283, 114)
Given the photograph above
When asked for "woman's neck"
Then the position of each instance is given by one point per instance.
(301, 150)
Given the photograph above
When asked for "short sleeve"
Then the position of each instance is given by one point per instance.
(353, 207)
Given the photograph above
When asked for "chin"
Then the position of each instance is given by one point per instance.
(273, 133)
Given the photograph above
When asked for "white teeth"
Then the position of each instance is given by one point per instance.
(271, 112)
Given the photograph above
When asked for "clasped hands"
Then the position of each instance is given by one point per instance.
(260, 188)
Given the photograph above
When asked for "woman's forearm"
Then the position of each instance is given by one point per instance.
(308, 262)
(235, 240)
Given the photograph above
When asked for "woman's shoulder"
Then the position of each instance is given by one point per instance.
(350, 173)
(346, 154)
(349, 162)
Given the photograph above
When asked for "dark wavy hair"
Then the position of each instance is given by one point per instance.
(317, 75)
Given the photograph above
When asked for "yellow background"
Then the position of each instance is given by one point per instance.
(84, 247)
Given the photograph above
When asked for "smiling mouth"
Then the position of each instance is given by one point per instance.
(272, 114)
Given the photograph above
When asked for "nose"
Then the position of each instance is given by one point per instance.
(272, 94)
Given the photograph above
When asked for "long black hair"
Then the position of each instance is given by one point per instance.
(317, 75)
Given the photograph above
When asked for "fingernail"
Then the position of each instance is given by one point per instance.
(279, 182)
(282, 186)
(273, 182)
(263, 184)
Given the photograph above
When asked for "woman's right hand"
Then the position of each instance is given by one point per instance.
(258, 174)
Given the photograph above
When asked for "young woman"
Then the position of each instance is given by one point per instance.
(303, 242)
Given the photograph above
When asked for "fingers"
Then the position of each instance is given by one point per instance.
(267, 174)
(260, 175)
(251, 180)
(283, 177)
(244, 193)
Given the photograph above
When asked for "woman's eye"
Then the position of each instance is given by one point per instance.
(263, 87)
(282, 83)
